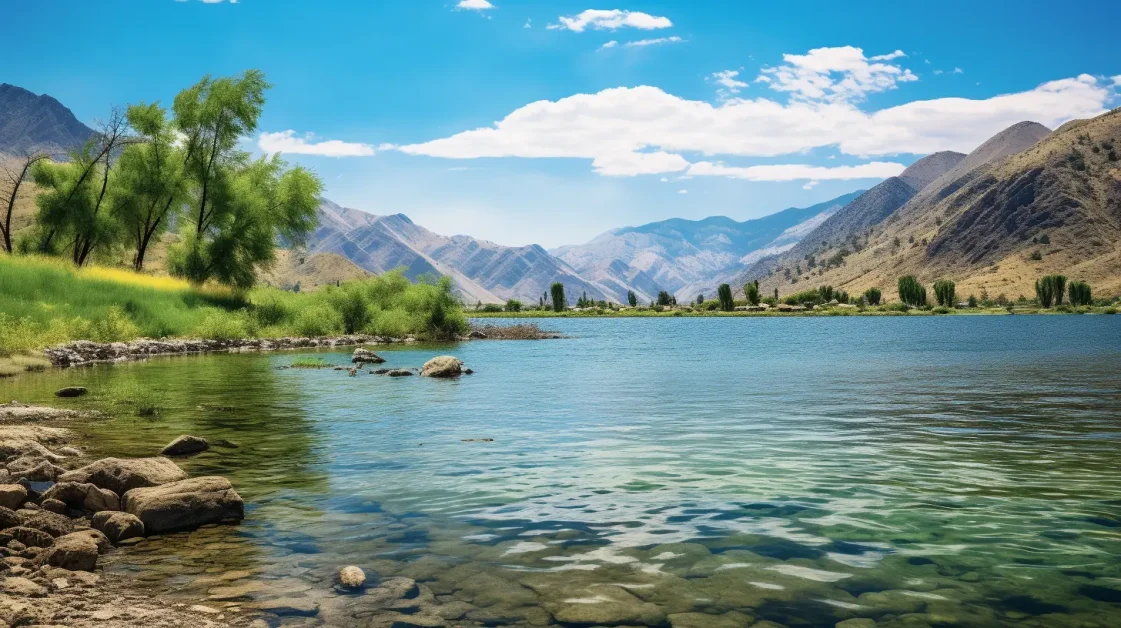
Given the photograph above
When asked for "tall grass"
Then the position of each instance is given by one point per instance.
(44, 302)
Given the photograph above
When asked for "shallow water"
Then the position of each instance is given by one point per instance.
(915, 471)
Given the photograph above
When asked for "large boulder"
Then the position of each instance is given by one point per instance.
(121, 475)
(185, 504)
(76, 552)
(84, 496)
(118, 526)
(9, 518)
(30, 536)
(71, 391)
(186, 446)
(365, 356)
(442, 366)
(12, 496)
(52, 523)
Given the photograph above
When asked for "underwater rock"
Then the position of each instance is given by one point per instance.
(186, 445)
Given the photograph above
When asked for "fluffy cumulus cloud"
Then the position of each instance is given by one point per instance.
(474, 5)
(628, 131)
(728, 82)
(841, 73)
(614, 19)
(1117, 80)
(288, 142)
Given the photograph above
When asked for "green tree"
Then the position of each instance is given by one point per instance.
(557, 291)
(149, 189)
(872, 296)
(73, 206)
(972, 301)
(911, 291)
(664, 298)
(513, 305)
(15, 173)
(1049, 290)
(1080, 293)
(944, 292)
(632, 298)
(751, 291)
(724, 293)
(700, 299)
(238, 208)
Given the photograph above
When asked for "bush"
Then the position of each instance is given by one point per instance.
(911, 291)
(318, 320)
(218, 325)
(352, 304)
(872, 296)
(751, 291)
(972, 301)
(513, 305)
(492, 308)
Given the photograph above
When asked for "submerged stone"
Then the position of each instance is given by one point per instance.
(186, 445)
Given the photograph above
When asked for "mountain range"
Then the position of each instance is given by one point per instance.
(1026, 202)
(33, 123)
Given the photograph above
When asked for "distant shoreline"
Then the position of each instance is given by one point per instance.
(831, 312)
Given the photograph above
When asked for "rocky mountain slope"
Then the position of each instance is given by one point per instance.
(1018, 207)
(30, 122)
(296, 269)
(482, 271)
(677, 255)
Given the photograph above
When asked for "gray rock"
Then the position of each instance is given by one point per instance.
(289, 606)
(71, 391)
(442, 366)
(22, 587)
(30, 536)
(12, 496)
(84, 496)
(365, 356)
(185, 504)
(122, 475)
(399, 373)
(52, 523)
(53, 505)
(185, 446)
(76, 552)
(118, 526)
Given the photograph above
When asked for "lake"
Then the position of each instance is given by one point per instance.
(916, 471)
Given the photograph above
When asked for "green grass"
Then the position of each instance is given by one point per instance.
(311, 363)
(46, 302)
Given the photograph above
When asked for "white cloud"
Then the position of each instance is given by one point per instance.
(1117, 81)
(610, 44)
(839, 74)
(728, 81)
(683, 191)
(528, 23)
(474, 5)
(938, 71)
(598, 19)
(811, 184)
(959, 71)
(665, 179)
(797, 172)
(888, 57)
(287, 142)
(627, 131)
(653, 42)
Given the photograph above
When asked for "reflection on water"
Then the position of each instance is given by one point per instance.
(945, 471)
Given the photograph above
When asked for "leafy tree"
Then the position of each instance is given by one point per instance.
(238, 208)
(1049, 290)
(700, 299)
(826, 293)
(972, 301)
(751, 291)
(632, 298)
(149, 189)
(724, 293)
(911, 291)
(1080, 293)
(664, 298)
(872, 296)
(15, 173)
(73, 205)
(944, 292)
(557, 290)
(513, 305)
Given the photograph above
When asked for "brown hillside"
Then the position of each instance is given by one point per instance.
(310, 271)
(984, 232)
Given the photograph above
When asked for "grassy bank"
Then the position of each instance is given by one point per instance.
(868, 311)
(46, 301)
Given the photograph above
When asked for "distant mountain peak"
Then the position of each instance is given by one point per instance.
(37, 122)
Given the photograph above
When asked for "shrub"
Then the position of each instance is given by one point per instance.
(911, 291)
(513, 305)
(872, 296)
(352, 304)
(491, 308)
(944, 292)
(727, 303)
(218, 325)
(318, 320)
(1036, 256)
(270, 311)
(972, 301)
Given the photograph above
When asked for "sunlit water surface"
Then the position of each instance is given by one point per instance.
(915, 471)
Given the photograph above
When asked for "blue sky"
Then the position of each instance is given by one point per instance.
(523, 122)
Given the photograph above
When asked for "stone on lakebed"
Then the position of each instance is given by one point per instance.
(185, 504)
(186, 445)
